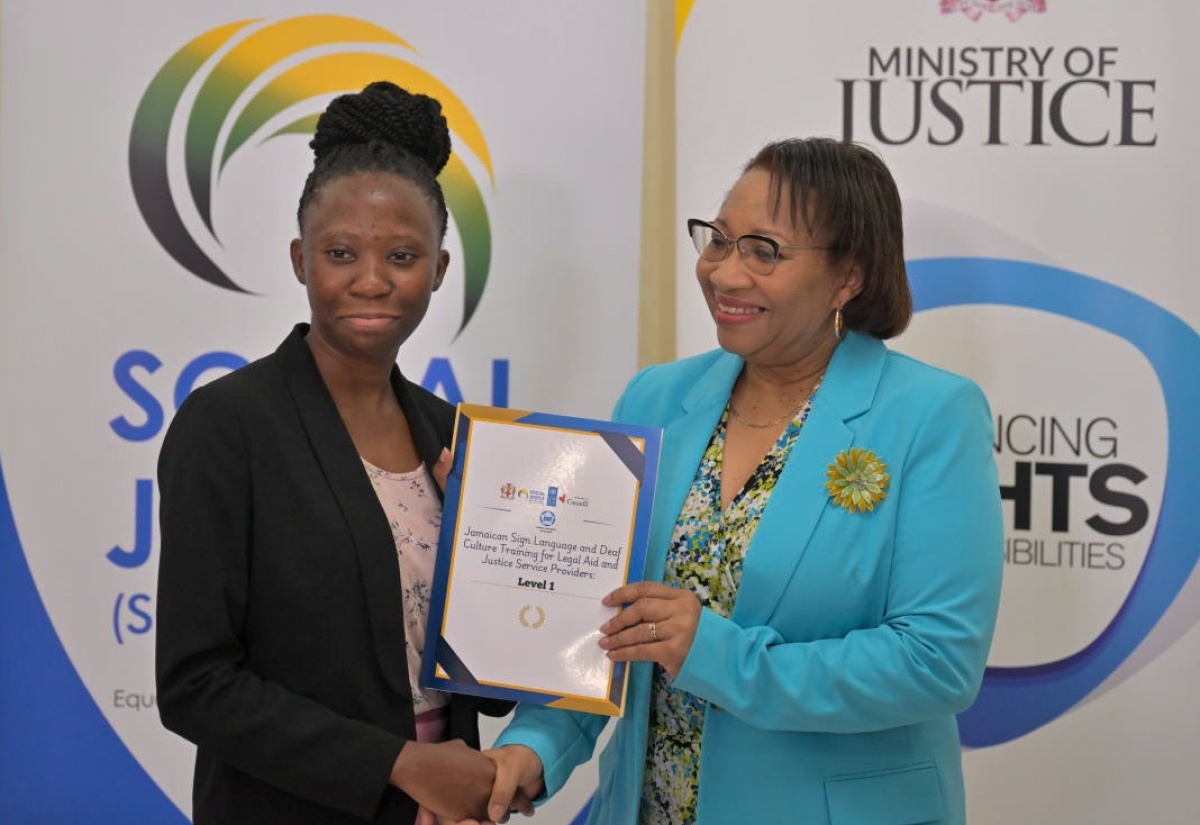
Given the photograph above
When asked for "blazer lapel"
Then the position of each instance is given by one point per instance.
(365, 519)
(684, 442)
(424, 435)
(800, 496)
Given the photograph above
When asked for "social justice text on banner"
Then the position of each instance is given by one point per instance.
(151, 174)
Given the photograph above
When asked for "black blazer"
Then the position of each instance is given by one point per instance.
(280, 642)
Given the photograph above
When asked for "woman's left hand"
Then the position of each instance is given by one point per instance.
(659, 625)
(441, 470)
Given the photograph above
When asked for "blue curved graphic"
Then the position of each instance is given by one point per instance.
(582, 816)
(1015, 701)
(61, 762)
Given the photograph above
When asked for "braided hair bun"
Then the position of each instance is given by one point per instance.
(385, 112)
(383, 128)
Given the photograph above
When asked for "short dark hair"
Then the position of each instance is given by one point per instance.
(383, 128)
(844, 195)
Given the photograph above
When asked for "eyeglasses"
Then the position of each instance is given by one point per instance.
(759, 253)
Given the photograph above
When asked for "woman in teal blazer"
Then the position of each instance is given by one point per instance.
(826, 549)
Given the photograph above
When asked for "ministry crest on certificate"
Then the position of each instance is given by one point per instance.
(544, 516)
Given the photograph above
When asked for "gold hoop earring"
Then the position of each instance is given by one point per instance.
(839, 326)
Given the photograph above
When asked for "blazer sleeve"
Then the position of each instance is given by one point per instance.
(926, 657)
(205, 693)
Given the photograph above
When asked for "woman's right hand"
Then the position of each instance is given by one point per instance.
(519, 780)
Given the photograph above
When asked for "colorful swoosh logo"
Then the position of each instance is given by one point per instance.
(225, 117)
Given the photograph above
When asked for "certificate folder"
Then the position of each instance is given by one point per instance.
(544, 515)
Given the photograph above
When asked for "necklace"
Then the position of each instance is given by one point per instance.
(775, 422)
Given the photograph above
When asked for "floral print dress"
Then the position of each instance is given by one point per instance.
(414, 513)
(706, 554)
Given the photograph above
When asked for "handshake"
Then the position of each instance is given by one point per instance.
(455, 785)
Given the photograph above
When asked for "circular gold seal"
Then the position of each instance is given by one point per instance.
(537, 622)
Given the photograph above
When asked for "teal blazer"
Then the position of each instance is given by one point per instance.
(856, 637)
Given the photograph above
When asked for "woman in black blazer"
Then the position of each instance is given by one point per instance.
(282, 632)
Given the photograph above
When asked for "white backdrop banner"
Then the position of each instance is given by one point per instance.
(152, 157)
(1045, 153)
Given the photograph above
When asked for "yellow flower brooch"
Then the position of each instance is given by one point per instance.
(858, 480)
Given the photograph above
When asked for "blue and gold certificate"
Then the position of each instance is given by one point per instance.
(544, 516)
